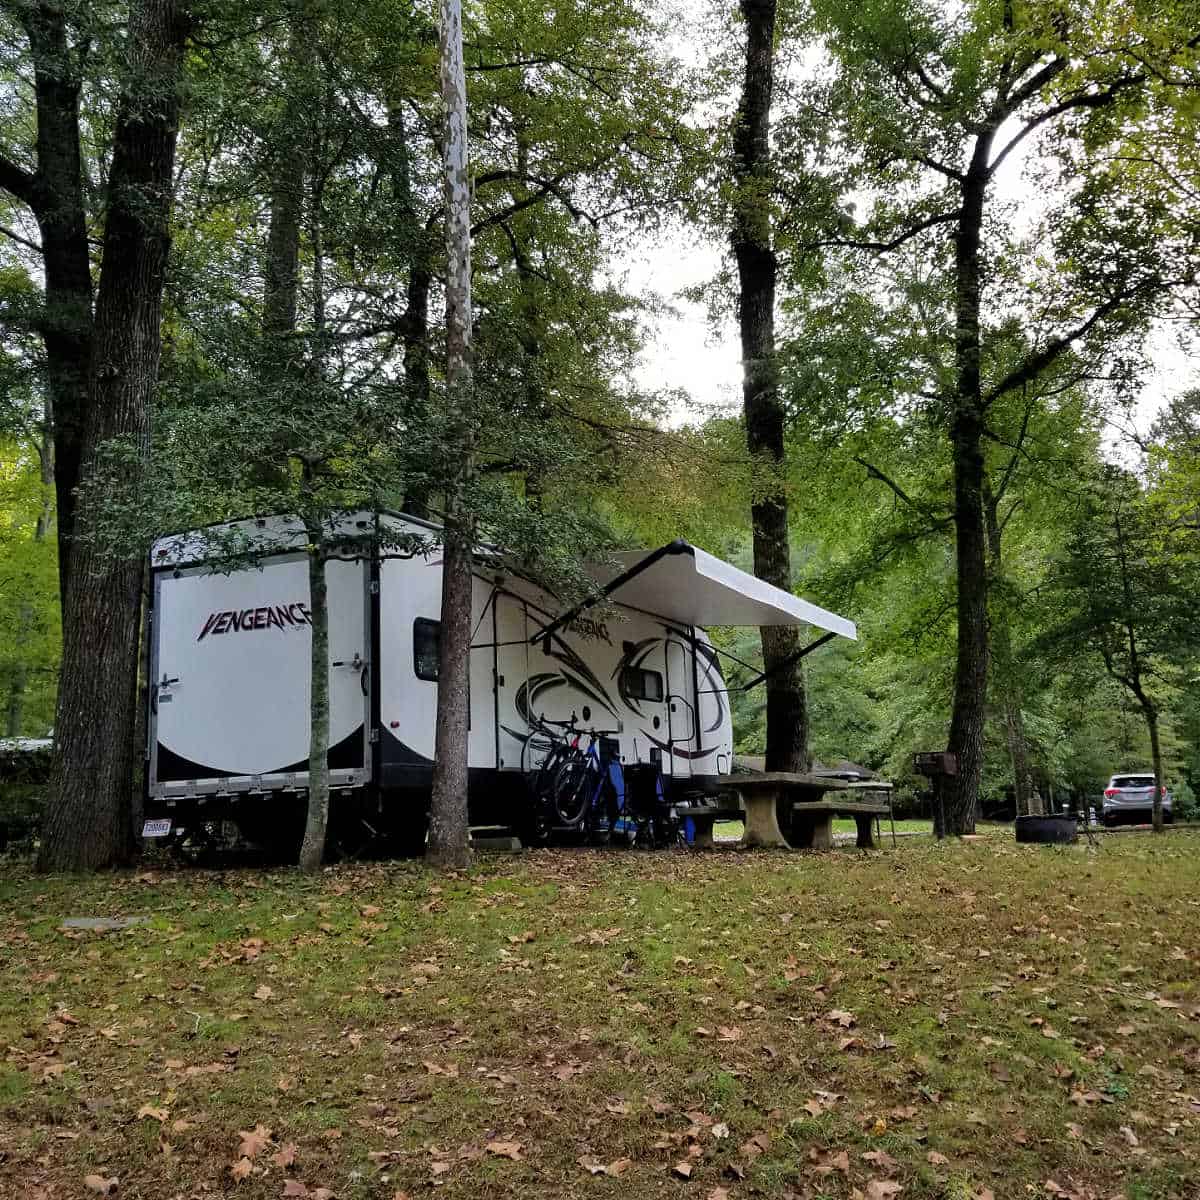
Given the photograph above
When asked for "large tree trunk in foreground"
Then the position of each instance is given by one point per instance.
(312, 850)
(55, 196)
(88, 818)
(966, 439)
(449, 835)
(1005, 675)
(787, 715)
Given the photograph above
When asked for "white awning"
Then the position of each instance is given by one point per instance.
(686, 584)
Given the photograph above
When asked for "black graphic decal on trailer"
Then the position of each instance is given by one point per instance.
(346, 755)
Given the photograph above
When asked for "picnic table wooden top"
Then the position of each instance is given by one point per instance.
(781, 780)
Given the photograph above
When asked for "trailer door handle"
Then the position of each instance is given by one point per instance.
(356, 662)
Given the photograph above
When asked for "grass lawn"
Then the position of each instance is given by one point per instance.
(733, 829)
(941, 1021)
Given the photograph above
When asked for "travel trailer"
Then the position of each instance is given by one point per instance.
(228, 653)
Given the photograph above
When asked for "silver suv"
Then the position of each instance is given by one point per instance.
(1131, 797)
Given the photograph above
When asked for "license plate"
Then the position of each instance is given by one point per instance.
(156, 829)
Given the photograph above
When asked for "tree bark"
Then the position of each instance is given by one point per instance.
(55, 196)
(787, 712)
(1012, 694)
(316, 825)
(281, 257)
(414, 326)
(449, 835)
(966, 439)
(88, 817)
(1156, 758)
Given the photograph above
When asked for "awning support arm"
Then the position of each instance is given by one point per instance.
(676, 547)
(790, 661)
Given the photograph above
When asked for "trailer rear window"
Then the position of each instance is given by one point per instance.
(427, 648)
(639, 684)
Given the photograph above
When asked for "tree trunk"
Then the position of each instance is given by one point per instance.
(1005, 676)
(1156, 760)
(414, 327)
(281, 259)
(312, 850)
(966, 438)
(449, 844)
(87, 821)
(787, 715)
(55, 195)
(417, 392)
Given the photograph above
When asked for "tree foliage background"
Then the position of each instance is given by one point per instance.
(301, 328)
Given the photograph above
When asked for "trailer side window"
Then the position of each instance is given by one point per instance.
(638, 684)
(427, 648)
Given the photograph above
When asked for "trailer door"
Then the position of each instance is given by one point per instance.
(681, 706)
(512, 670)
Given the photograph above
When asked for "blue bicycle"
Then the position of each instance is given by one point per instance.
(587, 791)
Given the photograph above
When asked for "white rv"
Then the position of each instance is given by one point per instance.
(229, 662)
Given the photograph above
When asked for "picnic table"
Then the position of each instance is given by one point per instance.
(786, 810)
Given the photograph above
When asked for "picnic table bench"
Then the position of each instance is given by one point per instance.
(787, 810)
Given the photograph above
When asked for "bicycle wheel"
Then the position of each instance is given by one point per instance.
(574, 784)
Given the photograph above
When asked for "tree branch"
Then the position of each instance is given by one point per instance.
(896, 242)
(1012, 462)
(941, 168)
(21, 241)
(1083, 100)
(18, 182)
(1037, 362)
(874, 472)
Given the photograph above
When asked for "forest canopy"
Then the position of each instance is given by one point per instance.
(950, 241)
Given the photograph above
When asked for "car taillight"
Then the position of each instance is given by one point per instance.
(1110, 791)
(1163, 790)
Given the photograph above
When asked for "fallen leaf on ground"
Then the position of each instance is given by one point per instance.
(263, 992)
(285, 1156)
(883, 1189)
(881, 1159)
(155, 1114)
(241, 1169)
(100, 1185)
(505, 1150)
(254, 1141)
(683, 1169)
(936, 1159)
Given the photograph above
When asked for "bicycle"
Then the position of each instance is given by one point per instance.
(542, 817)
(588, 791)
